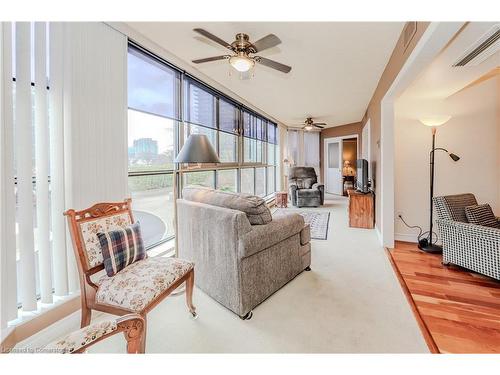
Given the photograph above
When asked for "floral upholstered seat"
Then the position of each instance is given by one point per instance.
(132, 325)
(136, 286)
(83, 337)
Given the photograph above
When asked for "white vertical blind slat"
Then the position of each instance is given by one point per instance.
(42, 164)
(8, 296)
(70, 45)
(59, 258)
(24, 163)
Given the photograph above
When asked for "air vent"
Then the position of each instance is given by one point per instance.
(485, 47)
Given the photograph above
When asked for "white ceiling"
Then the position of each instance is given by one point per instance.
(335, 65)
(431, 92)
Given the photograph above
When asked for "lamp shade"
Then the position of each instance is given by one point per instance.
(197, 149)
(435, 120)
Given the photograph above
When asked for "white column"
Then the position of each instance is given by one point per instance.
(57, 159)
(24, 162)
(42, 163)
(8, 291)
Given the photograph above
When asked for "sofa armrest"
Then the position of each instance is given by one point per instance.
(283, 226)
(305, 235)
(321, 188)
(292, 188)
(449, 228)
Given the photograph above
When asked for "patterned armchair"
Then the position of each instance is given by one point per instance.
(137, 288)
(304, 188)
(471, 246)
(132, 326)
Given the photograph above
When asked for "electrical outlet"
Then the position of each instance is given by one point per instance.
(399, 214)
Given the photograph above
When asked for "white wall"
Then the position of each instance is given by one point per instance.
(472, 133)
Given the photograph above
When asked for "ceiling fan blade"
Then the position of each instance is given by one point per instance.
(214, 38)
(266, 42)
(319, 123)
(273, 64)
(318, 126)
(208, 59)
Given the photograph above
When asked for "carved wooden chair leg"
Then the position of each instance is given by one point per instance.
(189, 294)
(143, 336)
(134, 331)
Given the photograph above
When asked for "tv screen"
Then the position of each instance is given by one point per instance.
(362, 176)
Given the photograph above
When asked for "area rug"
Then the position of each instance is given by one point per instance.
(318, 221)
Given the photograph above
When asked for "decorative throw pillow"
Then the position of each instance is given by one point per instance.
(121, 248)
(481, 214)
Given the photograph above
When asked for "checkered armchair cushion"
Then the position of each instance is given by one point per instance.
(471, 246)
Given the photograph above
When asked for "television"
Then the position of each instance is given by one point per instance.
(362, 184)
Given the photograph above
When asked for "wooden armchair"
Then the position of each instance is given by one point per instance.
(132, 325)
(136, 289)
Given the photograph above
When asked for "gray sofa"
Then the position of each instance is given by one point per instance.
(304, 188)
(471, 246)
(239, 264)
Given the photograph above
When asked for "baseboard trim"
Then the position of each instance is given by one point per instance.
(405, 237)
(379, 235)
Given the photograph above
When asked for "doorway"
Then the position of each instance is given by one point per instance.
(339, 159)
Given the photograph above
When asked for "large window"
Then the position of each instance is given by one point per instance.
(202, 178)
(153, 120)
(158, 125)
(248, 180)
(260, 181)
(227, 179)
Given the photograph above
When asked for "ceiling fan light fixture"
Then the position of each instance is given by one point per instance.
(308, 127)
(241, 63)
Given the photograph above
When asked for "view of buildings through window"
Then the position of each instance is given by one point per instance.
(157, 126)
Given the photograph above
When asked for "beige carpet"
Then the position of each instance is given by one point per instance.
(350, 302)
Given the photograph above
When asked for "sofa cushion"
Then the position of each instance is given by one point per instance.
(482, 214)
(309, 193)
(121, 247)
(254, 207)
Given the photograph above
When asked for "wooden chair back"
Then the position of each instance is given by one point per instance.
(75, 220)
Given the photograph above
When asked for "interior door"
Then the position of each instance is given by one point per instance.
(333, 163)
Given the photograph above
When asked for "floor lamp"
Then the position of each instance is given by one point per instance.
(427, 244)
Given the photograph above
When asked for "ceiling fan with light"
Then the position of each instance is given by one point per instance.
(242, 49)
(309, 124)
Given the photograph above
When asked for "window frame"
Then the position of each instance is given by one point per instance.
(181, 130)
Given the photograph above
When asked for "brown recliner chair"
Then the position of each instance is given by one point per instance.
(304, 188)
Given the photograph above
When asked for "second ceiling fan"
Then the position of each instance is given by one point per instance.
(242, 49)
(309, 124)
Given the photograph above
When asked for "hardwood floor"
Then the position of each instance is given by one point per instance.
(457, 310)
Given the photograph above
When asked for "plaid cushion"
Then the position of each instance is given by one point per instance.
(481, 214)
(121, 248)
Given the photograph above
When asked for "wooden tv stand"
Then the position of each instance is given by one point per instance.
(361, 209)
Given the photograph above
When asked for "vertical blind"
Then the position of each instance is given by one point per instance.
(33, 237)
